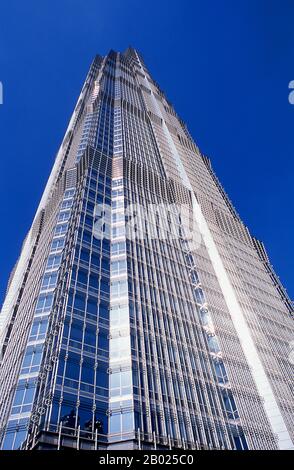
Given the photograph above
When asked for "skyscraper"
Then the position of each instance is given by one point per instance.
(141, 312)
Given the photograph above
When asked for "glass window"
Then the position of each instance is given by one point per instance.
(63, 216)
(53, 261)
(57, 244)
(60, 229)
(115, 424)
(39, 328)
(119, 288)
(79, 302)
(127, 422)
(94, 280)
(82, 277)
(118, 267)
(44, 303)
(49, 281)
(115, 380)
(118, 248)
(220, 372)
(8, 441)
(66, 204)
(213, 344)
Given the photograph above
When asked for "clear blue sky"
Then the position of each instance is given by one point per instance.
(225, 65)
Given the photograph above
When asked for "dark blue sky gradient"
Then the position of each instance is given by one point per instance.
(225, 65)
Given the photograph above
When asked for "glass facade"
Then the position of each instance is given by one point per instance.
(141, 312)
